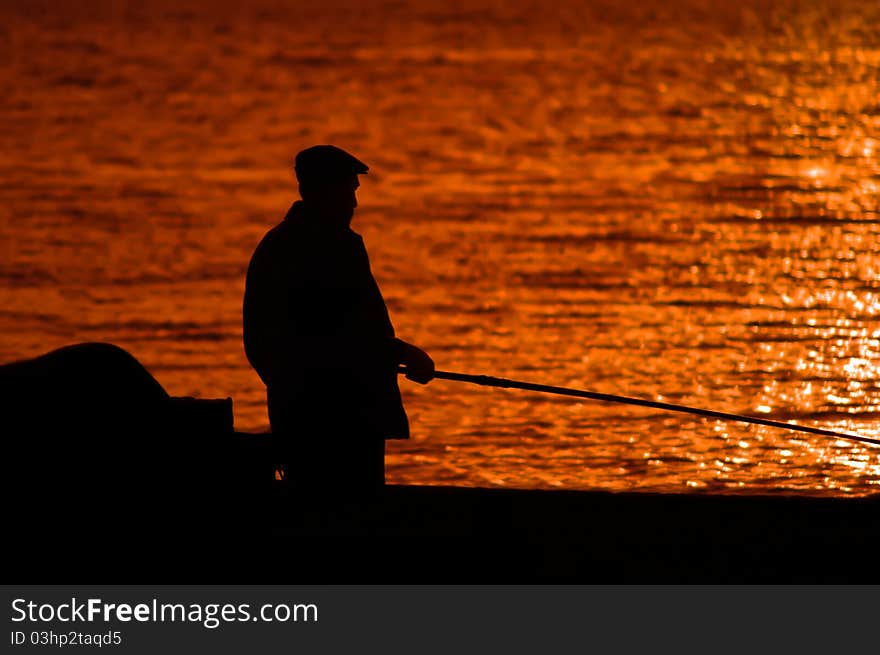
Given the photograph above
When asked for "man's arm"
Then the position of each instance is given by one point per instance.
(331, 352)
(419, 366)
(332, 297)
(301, 323)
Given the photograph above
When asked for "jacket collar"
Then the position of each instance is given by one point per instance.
(301, 214)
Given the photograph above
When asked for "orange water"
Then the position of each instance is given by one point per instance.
(673, 200)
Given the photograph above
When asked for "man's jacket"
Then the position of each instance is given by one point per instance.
(318, 333)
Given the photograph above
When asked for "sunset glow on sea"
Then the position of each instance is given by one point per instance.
(675, 200)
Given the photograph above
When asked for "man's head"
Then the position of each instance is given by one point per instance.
(328, 181)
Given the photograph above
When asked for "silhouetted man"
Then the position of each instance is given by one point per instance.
(318, 333)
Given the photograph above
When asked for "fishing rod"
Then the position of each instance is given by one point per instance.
(503, 383)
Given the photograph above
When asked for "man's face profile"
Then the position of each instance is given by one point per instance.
(335, 199)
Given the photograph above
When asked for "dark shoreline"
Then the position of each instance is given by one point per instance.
(431, 535)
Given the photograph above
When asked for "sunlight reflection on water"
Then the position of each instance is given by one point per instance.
(672, 200)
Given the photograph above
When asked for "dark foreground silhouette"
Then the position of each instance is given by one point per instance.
(318, 333)
(106, 467)
(110, 480)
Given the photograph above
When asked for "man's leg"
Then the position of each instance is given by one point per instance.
(378, 459)
(360, 462)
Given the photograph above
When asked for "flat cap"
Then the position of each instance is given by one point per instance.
(327, 163)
